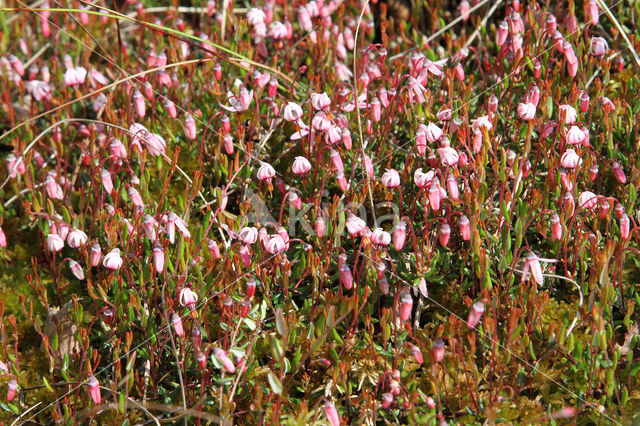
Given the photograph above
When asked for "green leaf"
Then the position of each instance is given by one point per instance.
(275, 384)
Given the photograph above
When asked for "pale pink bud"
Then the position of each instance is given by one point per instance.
(336, 160)
(138, 103)
(465, 228)
(406, 305)
(213, 249)
(444, 234)
(464, 10)
(319, 227)
(399, 235)
(452, 187)
(624, 226)
(346, 278)
(417, 354)
(502, 33)
(177, 324)
(245, 255)
(95, 254)
(227, 365)
(76, 238)
(250, 287)
(76, 269)
(331, 413)
(618, 172)
(94, 389)
(387, 400)
(158, 257)
(476, 313)
(587, 200)
(190, 126)
(593, 12)
(201, 358)
(368, 166)
(575, 136)
(342, 181)
(568, 113)
(437, 352)
(383, 284)
(599, 47)
(54, 190)
(556, 227)
(603, 208)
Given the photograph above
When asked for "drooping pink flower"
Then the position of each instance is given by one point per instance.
(423, 179)
(502, 33)
(433, 132)
(532, 264)
(112, 260)
(320, 101)
(94, 389)
(336, 160)
(301, 166)
(12, 387)
(587, 200)
(188, 297)
(248, 234)
(526, 111)
(444, 234)
(475, 314)
(54, 242)
(599, 47)
(75, 76)
(3, 238)
(391, 178)
(575, 136)
(177, 324)
(214, 250)
(570, 159)
(54, 190)
(292, 112)
(172, 222)
(38, 89)
(266, 172)
(448, 156)
(355, 225)
(76, 238)
(136, 199)
(452, 187)
(342, 181)
(76, 269)
(275, 244)
(569, 113)
(138, 103)
(380, 237)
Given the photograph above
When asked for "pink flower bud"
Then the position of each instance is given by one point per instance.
(503, 32)
(556, 227)
(336, 160)
(177, 324)
(346, 278)
(476, 313)
(245, 255)
(94, 389)
(76, 269)
(138, 103)
(245, 307)
(417, 354)
(95, 254)
(444, 234)
(568, 202)
(158, 258)
(593, 12)
(387, 400)
(465, 228)
(624, 226)
(227, 365)
(190, 126)
(250, 287)
(213, 249)
(217, 71)
(399, 235)
(383, 285)
(319, 227)
(452, 187)
(380, 269)
(618, 172)
(437, 352)
(584, 102)
(301, 166)
(368, 166)
(196, 335)
(12, 387)
(342, 181)
(406, 305)
(201, 358)
(603, 208)
(331, 413)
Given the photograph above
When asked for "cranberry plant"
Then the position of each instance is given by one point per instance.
(253, 213)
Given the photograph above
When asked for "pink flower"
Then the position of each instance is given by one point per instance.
(54, 242)
(112, 260)
(448, 156)
(275, 244)
(38, 89)
(569, 113)
(320, 122)
(227, 365)
(417, 90)
(482, 122)
(76, 269)
(452, 187)
(76, 238)
(355, 225)
(320, 101)
(570, 160)
(3, 238)
(532, 264)
(587, 200)
(239, 103)
(187, 297)
(437, 352)
(380, 237)
(277, 30)
(301, 166)
(248, 235)
(399, 235)
(136, 199)
(94, 389)
(423, 179)
(575, 136)
(476, 313)
(342, 71)
(391, 178)
(213, 249)
(331, 413)
(266, 172)
(75, 76)
(406, 305)
(599, 47)
(593, 12)
(172, 221)
(433, 132)
(368, 166)
(526, 111)
(292, 112)
(336, 160)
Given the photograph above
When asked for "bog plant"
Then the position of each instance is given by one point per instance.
(250, 213)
